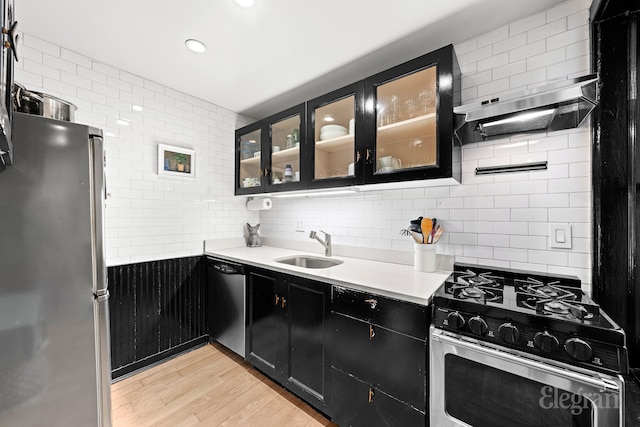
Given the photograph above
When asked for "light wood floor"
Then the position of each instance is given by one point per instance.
(210, 386)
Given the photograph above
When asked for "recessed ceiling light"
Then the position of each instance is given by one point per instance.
(328, 118)
(245, 3)
(196, 45)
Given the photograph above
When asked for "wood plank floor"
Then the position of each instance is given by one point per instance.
(209, 386)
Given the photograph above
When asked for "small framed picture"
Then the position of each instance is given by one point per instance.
(176, 161)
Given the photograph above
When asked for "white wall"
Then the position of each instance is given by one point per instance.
(148, 216)
(500, 220)
(497, 220)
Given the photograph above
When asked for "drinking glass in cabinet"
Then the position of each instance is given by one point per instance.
(334, 139)
(250, 146)
(285, 151)
(406, 134)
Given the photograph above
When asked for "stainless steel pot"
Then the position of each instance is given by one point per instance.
(42, 104)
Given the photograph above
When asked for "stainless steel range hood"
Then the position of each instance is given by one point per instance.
(562, 105)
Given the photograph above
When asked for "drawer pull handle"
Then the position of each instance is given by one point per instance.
(277, 299)
(370, 394)
(372, 302)
(284, 302)
(372, 333)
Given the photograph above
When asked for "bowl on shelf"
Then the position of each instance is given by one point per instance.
(333, 128)
(331, 135)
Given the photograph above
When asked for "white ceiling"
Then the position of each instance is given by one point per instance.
(262, 59)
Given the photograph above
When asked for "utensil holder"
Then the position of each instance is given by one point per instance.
(424, 257)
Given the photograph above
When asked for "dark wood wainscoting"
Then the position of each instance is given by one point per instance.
(157, 309)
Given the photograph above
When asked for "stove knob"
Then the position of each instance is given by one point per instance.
(578, 349)
(509, 333)
(546, 342)
(455, 320)
(478, 326)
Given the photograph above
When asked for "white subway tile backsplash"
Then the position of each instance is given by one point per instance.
(500, 220)
(570, 185)
(510, 43)
(570, 37)
(552, 28)
(510, 254)
(524, 52)
(529, 214)
(526, 24)
(548, 257)
(572, 67)
(565, 9)
(549, 200)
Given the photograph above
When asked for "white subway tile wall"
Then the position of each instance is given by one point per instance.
(148, 216)
(500, 220)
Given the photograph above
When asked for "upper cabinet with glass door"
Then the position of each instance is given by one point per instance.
(285, 171)
(334, 127)
(249, 169)
(410, 111)
(269, 153)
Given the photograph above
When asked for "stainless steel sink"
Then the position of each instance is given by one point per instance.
(309, 261)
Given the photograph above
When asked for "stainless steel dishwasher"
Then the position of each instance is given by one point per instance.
(227, 302)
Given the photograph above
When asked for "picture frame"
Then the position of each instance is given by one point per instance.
(176, 161)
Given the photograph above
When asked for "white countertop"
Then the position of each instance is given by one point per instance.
(383, 278)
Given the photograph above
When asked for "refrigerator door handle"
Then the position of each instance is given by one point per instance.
(101, 295)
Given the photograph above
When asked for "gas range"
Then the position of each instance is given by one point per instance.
(535, 313)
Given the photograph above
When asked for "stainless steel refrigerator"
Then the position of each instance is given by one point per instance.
(54, 320)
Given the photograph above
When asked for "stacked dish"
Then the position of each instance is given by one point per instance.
(332, 131)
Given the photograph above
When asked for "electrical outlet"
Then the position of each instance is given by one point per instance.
(300, 225)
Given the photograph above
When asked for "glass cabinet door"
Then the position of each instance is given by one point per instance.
(286, 131)
(249, 155)
(334, 120)
(334, 139)
(406, 126)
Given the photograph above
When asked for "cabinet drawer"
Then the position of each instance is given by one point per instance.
(392, 362)
(356, 404)
(401, 316)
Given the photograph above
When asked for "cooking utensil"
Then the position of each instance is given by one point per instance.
(438, 234)
(417, 237)
(426, 225)
(433, 230)
(42, 104)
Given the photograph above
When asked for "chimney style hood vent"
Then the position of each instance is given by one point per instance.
(562, 105)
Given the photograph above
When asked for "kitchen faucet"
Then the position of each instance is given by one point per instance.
(326, 243)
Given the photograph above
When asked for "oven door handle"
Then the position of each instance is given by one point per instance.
(602, 383)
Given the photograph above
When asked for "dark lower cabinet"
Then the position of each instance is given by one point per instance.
(358, 404)
(288, 334)
(379, 360)
(390, 361)
(264, 331)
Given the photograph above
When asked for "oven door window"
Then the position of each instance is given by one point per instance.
(483, 396)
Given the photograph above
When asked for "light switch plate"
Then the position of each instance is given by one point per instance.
(560, 236)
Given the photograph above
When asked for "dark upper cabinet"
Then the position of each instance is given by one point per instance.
(288, 333)
(409, 120)
(7, 54)
(335, 138)
(270, 154)
(394, 126)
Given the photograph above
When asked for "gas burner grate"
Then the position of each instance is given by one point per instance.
(470, 278)
(484, 287)
(553, 299)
